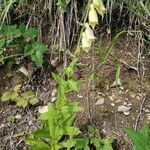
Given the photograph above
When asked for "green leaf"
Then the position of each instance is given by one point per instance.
(140, 139)
(14, 95)
(82, 143)
(33, 101)
(72, 85)
(41, 133)
(2, 43)
(51, 114)
(22, 103)
(107, 144)
(37, 58)
(28, 95)
(28, 51)
(30, 33)
(68, 144)
(36, 144)
(11, 31)
(6, 96)
(70, 131)
(59, 80)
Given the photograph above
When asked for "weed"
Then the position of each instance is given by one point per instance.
(140, 139)
(20, 40)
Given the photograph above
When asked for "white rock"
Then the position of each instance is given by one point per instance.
(43, 109)
(127, 113)
(125, 103)
(123, 108)
(100, 101)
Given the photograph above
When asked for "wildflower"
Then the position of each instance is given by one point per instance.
(93, 18)
(98, 5)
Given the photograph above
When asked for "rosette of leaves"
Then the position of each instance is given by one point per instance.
(21, 99)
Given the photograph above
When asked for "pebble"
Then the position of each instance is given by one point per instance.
(18, 116)
(123, 108)
(126, 113)
(130, 104)
(113, 104)
(53, 99)
(43, 109)
(54, 91)
(100, 101)
(79, 96)
(125, 103)
(146, 110)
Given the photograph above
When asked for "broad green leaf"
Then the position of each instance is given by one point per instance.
(37, 57)
(36, 144)
(72, 107)
(82, 143)
(41, 133)
(72, 85)
(59, 80)
(107, 144)
(141, 142)
(70, 131)
(6, 96)
(11, 31)
(96, 143)
(51, 114)
(30, 33)
(38, 46)
(68, 144)
(28, 51)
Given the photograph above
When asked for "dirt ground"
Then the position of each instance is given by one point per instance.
(99, 98)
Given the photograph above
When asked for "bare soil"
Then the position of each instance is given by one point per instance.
(98, 98)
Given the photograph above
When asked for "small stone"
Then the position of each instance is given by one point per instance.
(111, 98)
(126, 113)
(18, 116)
(146, 110)
(43, 109)
(79, 96)
(30, 122)
(148, 116)
(24, 71)
(112, 104)
(123, 108)
(121, 87)
(53, 99)
(130, 104)
(118, 101)
(125, 103)
(100, 101)
(54, 91)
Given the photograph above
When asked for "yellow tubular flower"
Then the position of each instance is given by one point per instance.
(89, 33)
(86, 44)
(93, 18)
(98, 5)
